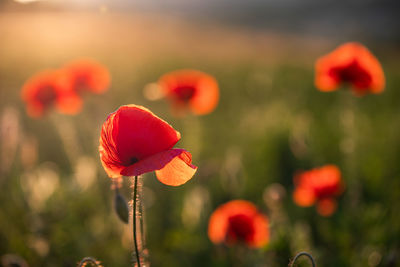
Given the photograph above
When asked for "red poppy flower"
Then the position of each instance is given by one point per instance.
(238, 221)
(47, 89)
(320, 186)
(134, 141)
(350, 63)
(191, 89)
(88, 75)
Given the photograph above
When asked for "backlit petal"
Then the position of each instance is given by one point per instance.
(178, 171)
(207, 96)
(139, 133)
(152, 163)
(108, 149)
(132, 134)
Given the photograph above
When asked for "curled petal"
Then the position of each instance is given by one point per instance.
(152, 163)
(178, 171)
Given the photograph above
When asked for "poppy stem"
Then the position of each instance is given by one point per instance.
(305, 254)
(134, 204)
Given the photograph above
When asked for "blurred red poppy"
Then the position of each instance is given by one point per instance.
(191, 89)
(238, 221)
(134, 141)
(47, 89)
(350, 63)
(88, 75)
(320, 186)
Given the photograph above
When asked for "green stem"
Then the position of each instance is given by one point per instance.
(134, 204)
(305, 254)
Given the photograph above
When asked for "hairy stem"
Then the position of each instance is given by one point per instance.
(303, 254)
(134, 204)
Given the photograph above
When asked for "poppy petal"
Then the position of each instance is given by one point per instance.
(131, 134)
(217, 226)
(207, 97)
(69, 104)
(218, 223)
(261, 231)
(108, 149)
(221, 220)
(191, 88)
(326, 207)
(178, 171)
(139, 133)
(152, 163)
(352, 63)
(304, 196)
(371, 63)
(87, 74)
(47, 89)
(134, 141)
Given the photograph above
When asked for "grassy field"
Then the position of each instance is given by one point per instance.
(56, 201)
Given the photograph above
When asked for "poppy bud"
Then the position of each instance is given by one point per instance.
(121, 207)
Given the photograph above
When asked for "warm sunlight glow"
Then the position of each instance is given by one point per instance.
(26, 1)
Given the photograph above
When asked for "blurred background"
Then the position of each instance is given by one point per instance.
(56, 202)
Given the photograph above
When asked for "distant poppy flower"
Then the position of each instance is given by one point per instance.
(238, 221)
(350, 63)
(47, 89)
(319, 186)
(190, 89)
(134, 141)
(88, 75)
